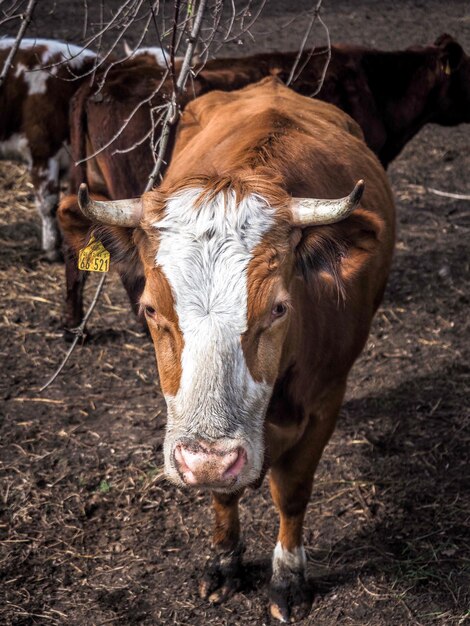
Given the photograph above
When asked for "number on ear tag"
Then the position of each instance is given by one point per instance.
(94, 257)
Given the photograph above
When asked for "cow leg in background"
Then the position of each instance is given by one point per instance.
(46, 181)
(291, 482)
(74, 227)
(222, 575)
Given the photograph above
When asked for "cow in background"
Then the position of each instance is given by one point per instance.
(259, 297)
(392, 95)
(34, 125)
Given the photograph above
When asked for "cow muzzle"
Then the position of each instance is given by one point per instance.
(211, 465)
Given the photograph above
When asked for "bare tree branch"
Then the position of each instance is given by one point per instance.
(79, 333)
(126, 122)
(26, 19)
(172, 111)
(328, 58)
(313, 18)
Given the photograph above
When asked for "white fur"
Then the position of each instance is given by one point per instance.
(283, 559)
(36, 78)
(16, 147)
(160, 55)
(205, 254)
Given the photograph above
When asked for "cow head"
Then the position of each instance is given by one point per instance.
(219, 266)
(453, 71)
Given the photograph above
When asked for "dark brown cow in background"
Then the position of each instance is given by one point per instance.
(392, 95)
(34, 126)
(259, 297)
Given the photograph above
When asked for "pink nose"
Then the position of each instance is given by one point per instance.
(199, 464)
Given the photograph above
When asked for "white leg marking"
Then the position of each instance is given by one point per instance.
(47, 198)
(16, 147)
(293, 561)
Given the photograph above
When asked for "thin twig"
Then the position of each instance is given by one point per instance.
(313, 19)
(449, 194)
(26, 17)
(79, 333)
(328, 58)
(172, 47)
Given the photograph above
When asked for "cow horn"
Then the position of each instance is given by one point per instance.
(113, 212)
(312, 211)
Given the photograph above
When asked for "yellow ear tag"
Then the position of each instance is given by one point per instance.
(447, 69)
(94, 257)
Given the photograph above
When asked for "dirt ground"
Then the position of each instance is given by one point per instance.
(90, 532)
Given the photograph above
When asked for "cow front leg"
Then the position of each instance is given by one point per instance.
(291, 481)
(222, 574)
(45, 176)
(289, 595)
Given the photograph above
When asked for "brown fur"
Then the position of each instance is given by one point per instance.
(164, 329)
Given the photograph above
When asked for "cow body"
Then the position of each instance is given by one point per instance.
(34, 128)
(256, 314)
(390, 94)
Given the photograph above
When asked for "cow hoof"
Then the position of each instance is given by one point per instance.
(290, 600)
(222, 576)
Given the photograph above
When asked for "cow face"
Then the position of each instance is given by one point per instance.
(217, 304)
(219, 265)
(453, 68)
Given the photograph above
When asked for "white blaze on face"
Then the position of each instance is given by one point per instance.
(204, 254)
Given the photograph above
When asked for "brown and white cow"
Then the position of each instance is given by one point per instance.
(259, 297)
(392, 95)
(34, 127)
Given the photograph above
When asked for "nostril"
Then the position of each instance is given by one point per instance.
(179, 458)
(190, 459)
(196, 464)
(236, 463)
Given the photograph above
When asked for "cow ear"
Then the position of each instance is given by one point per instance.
(451, 53)
(330, 256)
(119, 242)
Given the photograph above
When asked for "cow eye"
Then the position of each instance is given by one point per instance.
(149, 310)
(279, 310)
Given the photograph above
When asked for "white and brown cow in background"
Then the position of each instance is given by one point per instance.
(259, 298)
(34, 125)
